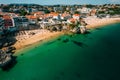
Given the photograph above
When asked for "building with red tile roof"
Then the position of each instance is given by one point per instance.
(8, 21)
(76, 16)
(65, 16)
(71, 20)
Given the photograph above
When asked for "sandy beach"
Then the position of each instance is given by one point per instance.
(97, 22)
(40, 35)
(43, 35)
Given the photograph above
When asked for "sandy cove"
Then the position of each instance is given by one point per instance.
(97, 22)
(44, 35)
(41, 36)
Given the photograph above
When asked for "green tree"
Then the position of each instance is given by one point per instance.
(47, 11)
(77, 12)
(23, 12)
(6, 8)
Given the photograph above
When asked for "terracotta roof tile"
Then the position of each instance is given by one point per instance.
(31, 17)
(76, 15)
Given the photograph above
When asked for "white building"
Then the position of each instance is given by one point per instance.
(76, 16)
(85, 10)
(65, 16)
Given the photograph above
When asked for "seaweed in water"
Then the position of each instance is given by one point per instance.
(22, 54)
(98, 28)
(36, 47)
(59, 39)
(71, 35)
(78, 43)
(66, 40)
(87, 32)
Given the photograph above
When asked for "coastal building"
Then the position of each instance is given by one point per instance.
(23, 22)
(71, 20)
(85, 11)
(38, 14)
(33, 10)
(8, 22)
(56, 16)
(32, 19)
(0, 10)
(76, 16)
(65, 16)
(1, 26)
(72, 9)
(93, 12)
(57, 9)
(12, 14)
(20, 22)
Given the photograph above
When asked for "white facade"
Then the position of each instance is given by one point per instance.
(55, 17)
(76, 17)
(85, 10)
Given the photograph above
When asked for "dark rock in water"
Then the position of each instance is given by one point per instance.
(71, 35)
(87, 32)
(78, 43)
(11, 64)
(12, 52)
(22, 54)
(66, 40)
(59, 39)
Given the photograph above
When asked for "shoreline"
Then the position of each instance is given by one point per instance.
(98, 23)
(36, 39)
(47, 35)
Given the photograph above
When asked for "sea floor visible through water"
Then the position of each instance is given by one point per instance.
(92, 56)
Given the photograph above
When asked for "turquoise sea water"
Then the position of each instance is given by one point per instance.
(94, 56)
